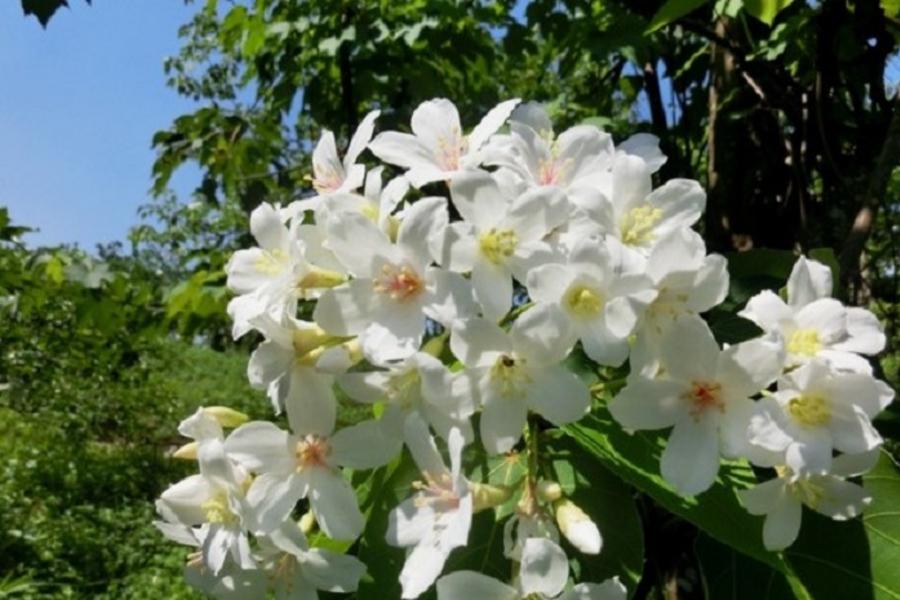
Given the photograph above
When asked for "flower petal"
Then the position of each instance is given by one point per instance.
(809, 281)
(841, 500)
(361, 138)
(544, 568)
(423, 565)
(558, 395)
(310, 403)
(478, 342)
(267, 228)
(493, 288)
(478, 198)
(648, 404)
(469, 585)
(502, 421)
(490, 123)
(332, 572)
(690, 461)
(346, 309)
(334, 503)
(541, 335)
(367, 445)
(260, 446)
(402, 149)
(782, 523)
(689, 351)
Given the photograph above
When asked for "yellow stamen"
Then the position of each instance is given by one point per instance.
(804, 342)
(583, 301)
(497, 245)
(216, 510)
(509, 374)
(811, 410)
(638, 223)
(272, 262)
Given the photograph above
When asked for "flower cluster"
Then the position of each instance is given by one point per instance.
(452, 318)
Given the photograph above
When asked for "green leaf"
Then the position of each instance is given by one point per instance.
(857, 559)
(729, 574)
(891, 8)
(672, 10)
(609, 503)
(717, 512)
(756, 270)
(383, 490)
(829, 561)
(766, 10)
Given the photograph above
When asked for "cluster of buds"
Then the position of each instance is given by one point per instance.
(456, 332)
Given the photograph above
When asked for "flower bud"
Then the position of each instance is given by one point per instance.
(307, 522)
(187, 452)
(549, 491)
(485, 495)
(318, 278)
(577, 527)
(227, 417)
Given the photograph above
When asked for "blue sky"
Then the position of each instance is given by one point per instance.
(80, 103)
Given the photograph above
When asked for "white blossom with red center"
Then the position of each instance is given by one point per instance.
(394, 287)
(437, 518)
(704, 392)
(332, 175)
(437, 149)
(306, 463)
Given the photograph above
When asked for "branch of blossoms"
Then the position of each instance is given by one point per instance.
(456, 332)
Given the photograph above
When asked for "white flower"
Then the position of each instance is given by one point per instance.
(688, 281)
(594, 298)
(816, 411)
(437, 150)
(640, 216)
(214, 501)
(271, 278)
(501, 237)
(201, 426)
(331, 175)
(517, 371)
(543, 574)
(420, 385)
(522, 526)
(437, 518)
(231, 583)
(538, 158)
(295, 570)
(393, 289)
(305, 464)
(377, 204)
(705, 394)
(781, 499)
(645, 146)
(814, 325)
(298, 358)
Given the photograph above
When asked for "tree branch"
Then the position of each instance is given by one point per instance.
(654, 96)
(888, 159)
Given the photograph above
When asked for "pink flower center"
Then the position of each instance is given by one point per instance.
(312, 451)
(437, 492)
(326, 179)
(399, 283)
(705, 395)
